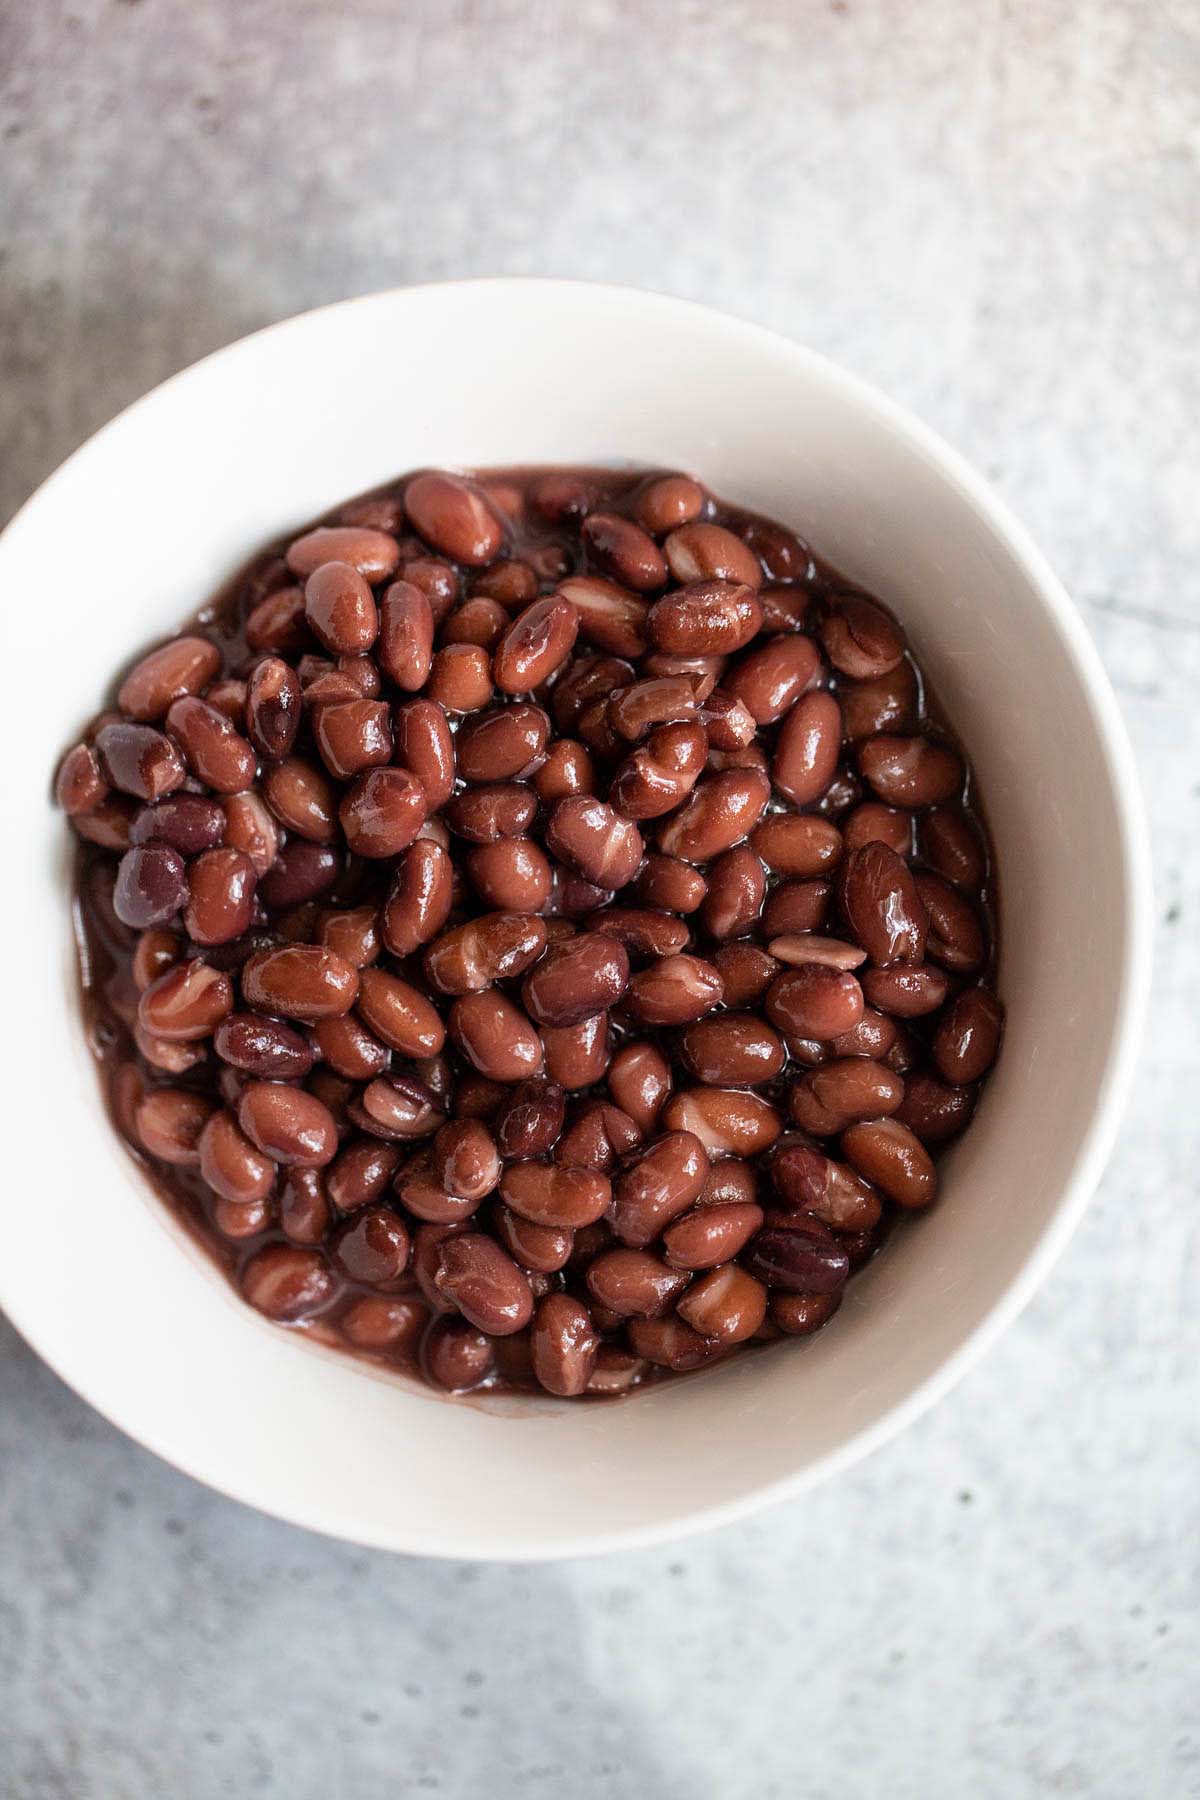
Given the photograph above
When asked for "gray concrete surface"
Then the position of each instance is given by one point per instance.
(992, 209)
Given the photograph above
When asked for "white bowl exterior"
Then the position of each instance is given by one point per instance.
(143, 523)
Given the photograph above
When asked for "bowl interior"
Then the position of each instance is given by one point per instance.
(143, 523)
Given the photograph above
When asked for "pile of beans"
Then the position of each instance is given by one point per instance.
(535, 929)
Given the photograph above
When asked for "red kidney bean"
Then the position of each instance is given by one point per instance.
(419, 898)
(956, 937)
(886, 1152)
(746, 972)
(220, 896)
(722, 811)
(727, 1304)
(383, 812)
(797, 843)
(737, 887)
(495, 1036)
(642, 931)
(484, 1283)
(661, 1181)
(673, 885)
(661, 700)
(546, 1194)
(456, 1356)
(287, 1283)
(353, 735)
(250, 828)
(935, 1110)
(905, 990)
(529, 1120)
(215, 750)
(454, 517)
(398, 1014)
(372, 1247)
(288, 1124)
(587, 835)
(633, 1284)
(911, 771)
(711, 1234)
(349, 1048)
(184, 666)
(465, 1159)
(814, 1001)
(576, 979)
(705, 618)
(727, 1121)
(186, 1003)
(952, 846)
(703, 552)
(807, 748)
(536, 644)
(262, 1047)
(300, 981)
(882, 905)
(231, 1164)
(801, 1314)
(873, 823)
(373, 553)
(340, 609)
(860, 639)
(801, 1258)
(674, 990)
(139, 760)
(169, 1122)
(732, 1050)
(151, 886)
(397, 1107)
(668, 502)
(360, 1172)
(460, 678)
(385, 1322)
(502, 745)
(769, 680)
(494, 947)
(156, 952)
(188, 822)
(967, 1038)
(564, 1344)
(816, 1184)
(609, 615)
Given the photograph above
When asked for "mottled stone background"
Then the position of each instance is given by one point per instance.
(991, 208)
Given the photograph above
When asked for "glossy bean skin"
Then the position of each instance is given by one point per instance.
(467, 853)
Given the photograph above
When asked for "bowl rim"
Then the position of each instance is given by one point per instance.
(1133, 845)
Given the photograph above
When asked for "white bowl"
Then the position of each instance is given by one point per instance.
(141, 524)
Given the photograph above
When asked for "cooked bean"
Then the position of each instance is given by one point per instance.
(705, 618)
(814, 1001)
(827, 1099)
(383, 812)
(262, 1047)
(456, 1356)
(797, 843)
(935, 1110)
(732, 1050)
(769, 680)
(300, 981)
(385, 1322)
(610, 616)
(278, 625)
(639, 1080)
(711, 1234)
(860, 639)
(911, 771)
(668, 502)
(156, 951)
(349, 1048)
(151, 886)
(702, 552)
(494, 947)
(454, 516)
(826, 1189)
(250, 828)
(186, 1003)
(220, 896)
(233, 1166)
(372, 1247)
(502, 745)
(512, 874)
(484, 815)
(737, 887)
(300, 872)
(674, 990)
(801, 1258)
(587, 835)
(418, 901)
(577, 1055)
(746, 972)
(669, 883)
(169, 1122)
(598, 1136)
(215, 750)
(722, 811)
(801, 1314)
(727, 1304)
(546, 1194)
(952, 846)
(139, 760)
(968, 1036)
(538, 642)
(672, 1344)
(184, 666)
(495, 1036)
(288, 1283)
(340, 609)
(661, 1181)
(633, 1284)
(529, 1120)
(727, 1121)
(661, 700)
(397, 1107)
(956, 937)
(373, 553)
(795, 948)
(906, 990)
(398, 1014)
(807, 748)
(882, 905)
(465, 1159)
(564, 1344)
(888, 1154)
(576, 979)
(288, 1124)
